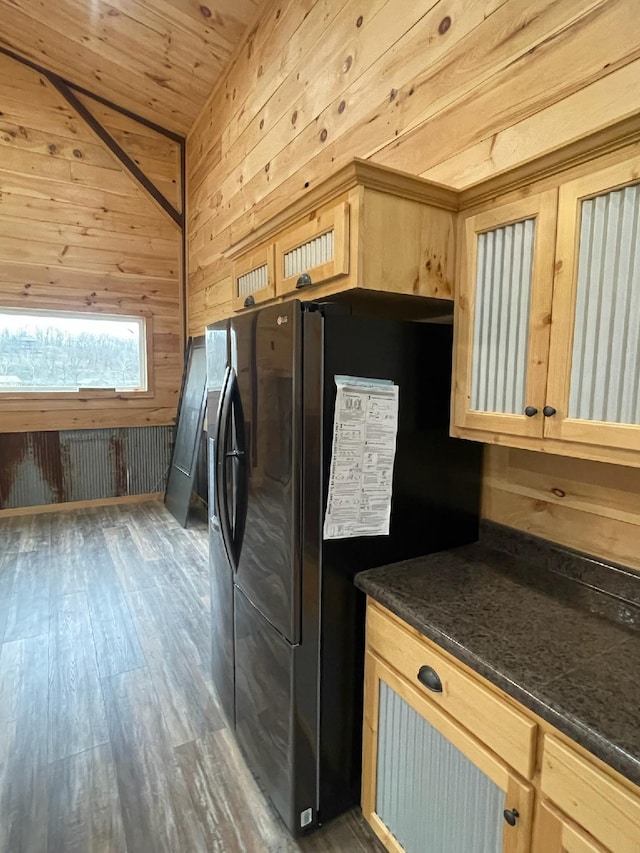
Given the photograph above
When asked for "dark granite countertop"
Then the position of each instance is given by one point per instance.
(556, 630)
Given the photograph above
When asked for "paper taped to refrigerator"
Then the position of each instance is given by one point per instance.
(365, 428)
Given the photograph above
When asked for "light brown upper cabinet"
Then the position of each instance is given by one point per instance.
(253, 278)
(314, 252)
(548, 316)
(594, 360)
(503, 313)
(365, 228)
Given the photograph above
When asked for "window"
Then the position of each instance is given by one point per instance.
(47, 351)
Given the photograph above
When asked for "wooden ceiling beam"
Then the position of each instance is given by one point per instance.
(66, 89)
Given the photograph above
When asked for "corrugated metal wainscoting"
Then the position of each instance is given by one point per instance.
(38, 468)
(431, 797)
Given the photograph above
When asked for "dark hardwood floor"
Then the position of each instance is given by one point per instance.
(111, 738)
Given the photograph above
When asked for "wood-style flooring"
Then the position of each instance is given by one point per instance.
(111, 739)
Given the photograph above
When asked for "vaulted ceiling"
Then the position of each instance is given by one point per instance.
(158, 58)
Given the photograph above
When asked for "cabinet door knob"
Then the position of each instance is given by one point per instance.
(304, 280)
(430, 678)
(548, 411)
(511, 816)
(530, 411)
(249, 301)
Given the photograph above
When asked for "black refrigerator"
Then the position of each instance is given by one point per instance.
(287, 621)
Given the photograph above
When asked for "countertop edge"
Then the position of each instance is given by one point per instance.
(603, 749)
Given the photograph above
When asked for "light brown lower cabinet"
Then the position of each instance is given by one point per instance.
(430, 785)
(555, 833)
(451, 764)
(600, 805)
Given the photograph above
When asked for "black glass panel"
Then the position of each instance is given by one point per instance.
(190, 411)
(189, 433)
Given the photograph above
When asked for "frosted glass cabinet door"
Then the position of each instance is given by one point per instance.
(503, 316)
(594, 365)
(428, 785)
(318, 249)
(253, 278)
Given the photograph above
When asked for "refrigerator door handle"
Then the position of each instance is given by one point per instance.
(232, 517)
(221, 485)
(240, 469)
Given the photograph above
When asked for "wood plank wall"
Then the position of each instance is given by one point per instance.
(586, 505)
(454, 90)
(78, 233)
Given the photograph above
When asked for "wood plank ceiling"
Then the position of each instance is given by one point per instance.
(158, 58)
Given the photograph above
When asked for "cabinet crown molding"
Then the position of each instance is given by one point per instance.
(357, 173)
(370, 175)
(577, 153)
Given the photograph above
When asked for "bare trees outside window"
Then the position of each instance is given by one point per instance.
(47, 351)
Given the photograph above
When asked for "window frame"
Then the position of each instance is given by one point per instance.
(82, 394)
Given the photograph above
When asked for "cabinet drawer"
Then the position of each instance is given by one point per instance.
(504, 730)
(318, 248)
(606, 809)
